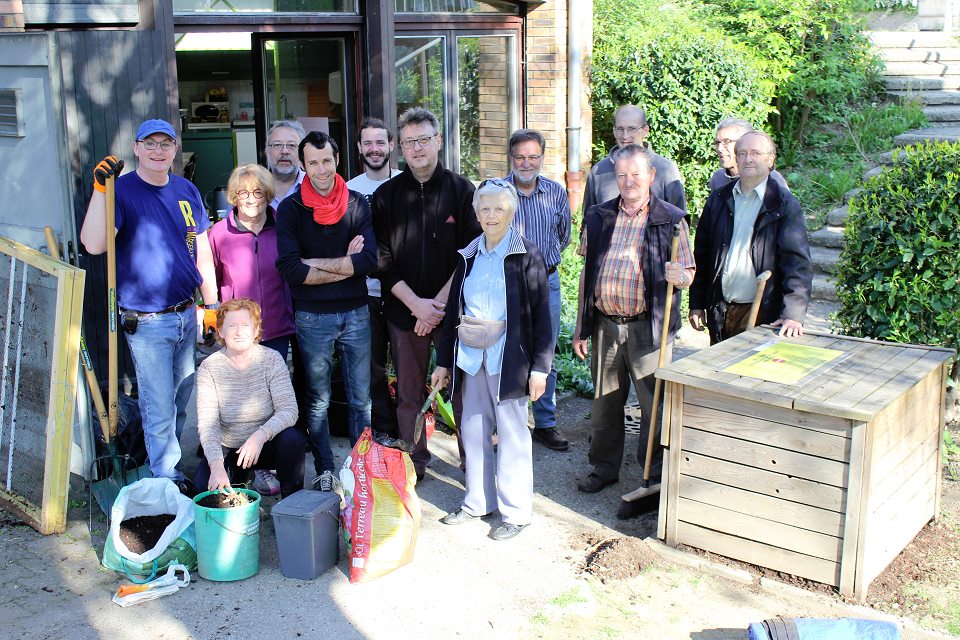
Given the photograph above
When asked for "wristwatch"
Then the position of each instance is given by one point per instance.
(212, 307)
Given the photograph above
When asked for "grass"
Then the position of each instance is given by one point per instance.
(568, 598)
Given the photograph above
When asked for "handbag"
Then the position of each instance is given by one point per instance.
(479, 333)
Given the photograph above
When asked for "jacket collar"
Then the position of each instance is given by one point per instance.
(234, 222)
(771, 208)
(515, 246)
(655, 215)
(434, 179)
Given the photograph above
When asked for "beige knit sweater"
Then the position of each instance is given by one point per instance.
(232, 404)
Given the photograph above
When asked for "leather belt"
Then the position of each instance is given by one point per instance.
(625, 319)
(177, 308)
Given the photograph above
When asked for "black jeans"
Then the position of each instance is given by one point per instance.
(285, 453)
(383, 410)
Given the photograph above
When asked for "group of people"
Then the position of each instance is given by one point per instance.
(308, 266)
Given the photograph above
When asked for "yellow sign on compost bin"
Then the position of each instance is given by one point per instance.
(783, 362)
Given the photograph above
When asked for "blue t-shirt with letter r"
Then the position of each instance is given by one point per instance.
(157, 231)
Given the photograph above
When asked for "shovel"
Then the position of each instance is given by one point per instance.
(111, 469)
(418, 425)
(631, 504)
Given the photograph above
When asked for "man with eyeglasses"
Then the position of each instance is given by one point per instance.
(630, 127)
(729, 130)
(162, 256)
(543, 217)
(375, 144)
(421, 218)
(747, 227)
(283, 140)
(325, 248)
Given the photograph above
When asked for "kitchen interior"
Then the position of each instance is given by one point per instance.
(304, 80)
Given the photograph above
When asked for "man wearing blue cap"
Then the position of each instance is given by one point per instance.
(162, 257)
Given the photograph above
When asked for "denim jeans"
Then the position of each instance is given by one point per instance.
(318, 335)
(163, 356)
(545, 408)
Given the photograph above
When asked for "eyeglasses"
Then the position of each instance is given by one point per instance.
(753, 155)
(150, 145)
(630, 130)
(243, 193)
(280, 146)
(724, 142)
(410, 143)
(531, 159)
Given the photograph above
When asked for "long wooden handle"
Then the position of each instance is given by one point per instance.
(661, 361)
(755, 307)
(54, 248)
(113, 414)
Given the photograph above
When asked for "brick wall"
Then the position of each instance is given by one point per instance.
(11, 15)
(494, 119)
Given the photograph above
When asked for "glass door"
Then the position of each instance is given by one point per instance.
(310, 80)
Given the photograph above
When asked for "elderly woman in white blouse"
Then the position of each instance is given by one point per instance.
(497, 341)
(245, 407)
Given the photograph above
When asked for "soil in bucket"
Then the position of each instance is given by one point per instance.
(142, 533)
(228, 537)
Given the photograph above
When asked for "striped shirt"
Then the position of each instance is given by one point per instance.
(543, 218)
(619, 289)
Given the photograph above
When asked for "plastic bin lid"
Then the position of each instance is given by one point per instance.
(307, 503)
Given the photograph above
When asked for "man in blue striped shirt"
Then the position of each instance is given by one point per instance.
(543, 218)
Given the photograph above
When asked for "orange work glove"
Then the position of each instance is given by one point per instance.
(109, 166)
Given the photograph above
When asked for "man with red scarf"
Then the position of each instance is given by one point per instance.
(325, 248)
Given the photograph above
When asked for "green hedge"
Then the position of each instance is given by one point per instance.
(899, 274)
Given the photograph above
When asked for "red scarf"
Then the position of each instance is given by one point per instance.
(327, 209)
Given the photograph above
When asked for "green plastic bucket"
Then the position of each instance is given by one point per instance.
(228, 540)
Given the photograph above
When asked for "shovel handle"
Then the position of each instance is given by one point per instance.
(113, 413)
(757, 298)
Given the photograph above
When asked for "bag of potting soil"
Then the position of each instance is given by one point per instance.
(381, 516)
(176, 543)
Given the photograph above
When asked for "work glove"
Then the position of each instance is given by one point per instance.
(109, 166)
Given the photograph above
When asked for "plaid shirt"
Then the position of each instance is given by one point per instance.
(619, 289)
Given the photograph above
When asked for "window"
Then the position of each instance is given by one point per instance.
(11, 113)
(456, 6)
(265, 6)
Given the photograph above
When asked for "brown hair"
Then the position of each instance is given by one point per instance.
(246, 174)
(239, 304)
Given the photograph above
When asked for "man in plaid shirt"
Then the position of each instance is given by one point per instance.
(622, 296)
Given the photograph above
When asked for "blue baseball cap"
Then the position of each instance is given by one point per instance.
(150, 127)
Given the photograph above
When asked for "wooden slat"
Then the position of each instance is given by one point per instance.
(794, 514)
(920, 369)
(743, 407)
(849, 372)
(750, 478)
(750, 527)
(764, 457)
(944, 374)
(821, 342)
(759, 554)
(672, 488)
(858, 482)
(918, 465)
(766, 432)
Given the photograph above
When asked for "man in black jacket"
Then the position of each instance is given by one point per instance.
(421, 218)
(747, 227)
(325, 248)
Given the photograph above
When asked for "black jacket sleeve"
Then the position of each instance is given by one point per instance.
(793, 262)
(543, 346)
(451, 318)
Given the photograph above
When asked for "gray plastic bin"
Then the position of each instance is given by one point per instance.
(308, 533)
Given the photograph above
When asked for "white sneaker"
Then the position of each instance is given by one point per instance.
(265, 483)
(324, 481)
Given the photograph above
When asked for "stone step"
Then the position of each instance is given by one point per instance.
(829, 237)
(934, 97)
(911, 39)
(853, 193)
(946, 54)
(937, 134)
(921, 83)
(942, 113)
(922, 69)
(838, 217)
(870, 173)
(824, 259)
(823, 288)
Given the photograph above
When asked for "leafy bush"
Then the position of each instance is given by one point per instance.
(688, 76)
(899, 276)
(814, 51)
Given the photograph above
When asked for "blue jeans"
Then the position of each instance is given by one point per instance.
(163, 355)
(545, 409)
(319, 334)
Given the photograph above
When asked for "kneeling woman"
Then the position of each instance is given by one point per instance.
(245, 406)
(497, 327)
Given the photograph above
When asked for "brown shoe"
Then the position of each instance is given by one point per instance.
(551, 439)
(594, 483)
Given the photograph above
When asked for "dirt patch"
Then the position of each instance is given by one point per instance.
(225, 500)
(617, 558)
(142, 533)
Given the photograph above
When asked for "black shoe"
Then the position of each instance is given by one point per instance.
(420, 476)
(594, 483)
(507, 530)
(551, 439)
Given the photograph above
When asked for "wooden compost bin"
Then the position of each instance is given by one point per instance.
(828, 478)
